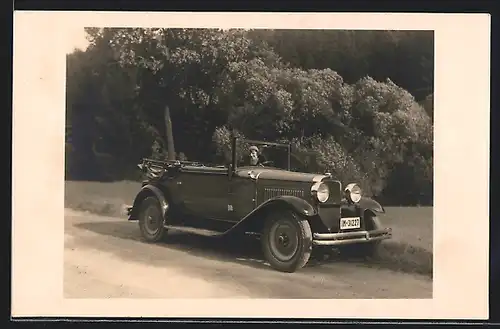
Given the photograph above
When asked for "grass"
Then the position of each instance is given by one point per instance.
(409, 250)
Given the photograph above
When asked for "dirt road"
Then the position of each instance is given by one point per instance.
(106, 258)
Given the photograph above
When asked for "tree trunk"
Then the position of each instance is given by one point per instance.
(170, 135)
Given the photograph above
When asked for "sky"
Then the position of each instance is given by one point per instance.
(76, 39)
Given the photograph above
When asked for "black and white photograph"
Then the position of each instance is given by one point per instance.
(255, 163)
(260, 151)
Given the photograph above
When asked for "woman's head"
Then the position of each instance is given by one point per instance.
(254, 155)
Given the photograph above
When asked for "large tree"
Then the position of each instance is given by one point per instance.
(364, 128)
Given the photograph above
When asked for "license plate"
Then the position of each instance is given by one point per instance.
(349, 223)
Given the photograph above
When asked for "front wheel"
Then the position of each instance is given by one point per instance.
(151, 220)
(287, 242)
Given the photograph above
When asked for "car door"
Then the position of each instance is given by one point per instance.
(242, 197)
(205, 192)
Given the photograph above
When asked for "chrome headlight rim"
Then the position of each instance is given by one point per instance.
(353, 192)
(321, 192)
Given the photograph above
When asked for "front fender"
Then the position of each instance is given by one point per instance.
(148, 190)
(299, 205)
(254, 221)
(369, 203)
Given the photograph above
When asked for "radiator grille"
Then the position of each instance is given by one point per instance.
(271, 192)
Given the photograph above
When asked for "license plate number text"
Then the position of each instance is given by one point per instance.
(349, 223)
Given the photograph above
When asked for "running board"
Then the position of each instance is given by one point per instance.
(194, 230)
(201, 231)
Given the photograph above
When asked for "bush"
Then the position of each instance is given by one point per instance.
(368, 131)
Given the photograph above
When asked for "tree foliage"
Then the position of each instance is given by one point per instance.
(329, 91)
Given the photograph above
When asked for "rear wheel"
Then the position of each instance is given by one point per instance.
(151, 220)
(286, 241)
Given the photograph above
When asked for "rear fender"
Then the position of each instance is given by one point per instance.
(254, 221)
(146, 191)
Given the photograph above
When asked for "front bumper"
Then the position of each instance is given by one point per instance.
(335, 239)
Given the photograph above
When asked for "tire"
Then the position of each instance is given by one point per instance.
(292, 250)
(151, 220)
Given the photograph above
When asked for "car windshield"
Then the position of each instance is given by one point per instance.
(273, 156)
(276, 156)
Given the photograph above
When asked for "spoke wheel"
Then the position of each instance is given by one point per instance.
(286, 241)
(283, 240)
(151, 220)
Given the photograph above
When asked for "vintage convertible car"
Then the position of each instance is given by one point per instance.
(291, 212)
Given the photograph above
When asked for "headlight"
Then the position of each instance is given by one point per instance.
(320, 191)
(353, 192)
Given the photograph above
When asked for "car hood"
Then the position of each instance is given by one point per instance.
(279, 174)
